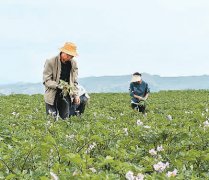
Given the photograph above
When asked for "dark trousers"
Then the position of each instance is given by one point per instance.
(80, 108)
(138, 107)
(61, 106)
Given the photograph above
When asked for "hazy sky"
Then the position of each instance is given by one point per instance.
(114, 37)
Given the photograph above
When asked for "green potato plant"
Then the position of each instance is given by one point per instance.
(109, 141)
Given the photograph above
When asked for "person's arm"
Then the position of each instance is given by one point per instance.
(47, 76)
(75, 74)
(131, 90)
(139, 97)
(147, 92)
(146, 96)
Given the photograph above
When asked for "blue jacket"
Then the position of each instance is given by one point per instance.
(139, 90)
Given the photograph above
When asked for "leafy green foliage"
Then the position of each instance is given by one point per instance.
(108, 140)
(66, 88)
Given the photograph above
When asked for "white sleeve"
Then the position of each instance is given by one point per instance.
(81, 90)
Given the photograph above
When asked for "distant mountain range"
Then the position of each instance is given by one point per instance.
(117, 84)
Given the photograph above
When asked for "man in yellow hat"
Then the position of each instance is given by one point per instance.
(139, 91)
(61, 67)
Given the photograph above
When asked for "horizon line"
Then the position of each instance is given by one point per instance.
(33, 82)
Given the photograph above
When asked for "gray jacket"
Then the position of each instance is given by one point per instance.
(51, 77)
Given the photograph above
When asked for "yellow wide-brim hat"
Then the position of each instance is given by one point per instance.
(136, 78)
(69, 48)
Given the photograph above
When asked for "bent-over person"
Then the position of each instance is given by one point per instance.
(139, 92)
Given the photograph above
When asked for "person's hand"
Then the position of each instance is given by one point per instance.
(77, 100)
(140, 98)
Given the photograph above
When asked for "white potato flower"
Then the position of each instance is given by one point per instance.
(169, 117)
(172, 173)
(139, 177)
(139, 122)
(126, 131)
(54, 176)
(130, 175)
(206, 123)
(160, 148)
(160, 166)
(93, 170)
(91, 146)
(153, 152)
